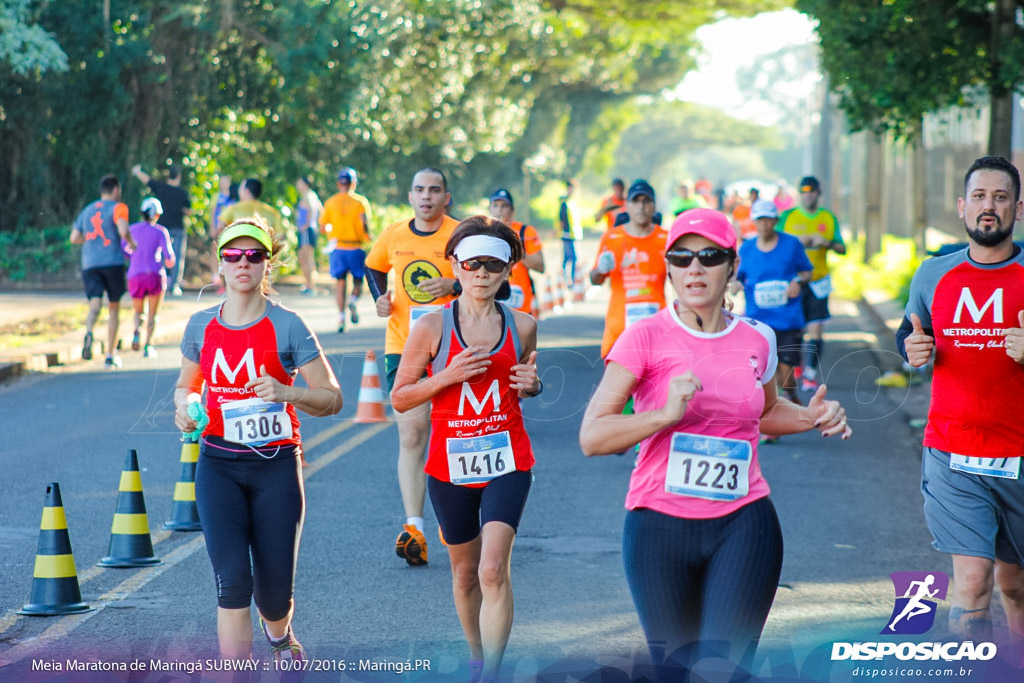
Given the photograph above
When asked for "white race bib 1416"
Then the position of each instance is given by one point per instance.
(254, 422)
(478, 459)
(708, 467)
(1004, 468)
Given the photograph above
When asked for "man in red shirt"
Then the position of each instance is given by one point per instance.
(968, 309)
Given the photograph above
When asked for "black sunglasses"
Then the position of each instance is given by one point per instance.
(233, 255)
(491, 266)
(708, 257)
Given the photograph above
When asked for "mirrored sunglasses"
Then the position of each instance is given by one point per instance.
(490, 266)
(709, 257)
(232, 255)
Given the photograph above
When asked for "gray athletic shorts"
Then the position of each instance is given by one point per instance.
(972, 514)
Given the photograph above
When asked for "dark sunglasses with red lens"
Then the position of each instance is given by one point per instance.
(490, 266)
(232, 255)
(708, 257)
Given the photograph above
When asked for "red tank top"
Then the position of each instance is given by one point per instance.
(477, 426)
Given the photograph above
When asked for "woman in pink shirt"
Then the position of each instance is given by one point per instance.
(702, 545)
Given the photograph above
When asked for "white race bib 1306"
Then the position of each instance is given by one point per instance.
(478, 459)
(1004, 468)
(708, 467)
(254, 422)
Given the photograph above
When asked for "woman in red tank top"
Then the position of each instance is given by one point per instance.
(480, 356)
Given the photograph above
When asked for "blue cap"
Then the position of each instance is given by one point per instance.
(347, 175)
(503, 195)
(640, 187)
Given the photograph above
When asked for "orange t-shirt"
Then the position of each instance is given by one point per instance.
(742, 221)
(519, 278)
(414, 256)
(609, 218)
(637, 281)
(342, 220)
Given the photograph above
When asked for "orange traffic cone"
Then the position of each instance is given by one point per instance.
(184, 513)
(130, 543)
(579, 290)
(371, 398)
(558, 296)
(547, 303)
(55, 588)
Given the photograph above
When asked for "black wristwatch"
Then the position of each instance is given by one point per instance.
(457, 288)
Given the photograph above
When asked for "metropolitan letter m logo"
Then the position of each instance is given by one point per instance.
(219, 361)
(967, 299)
(478, 406)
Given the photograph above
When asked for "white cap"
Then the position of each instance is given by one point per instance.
(763, 208)
(483, 245)
(152, 205)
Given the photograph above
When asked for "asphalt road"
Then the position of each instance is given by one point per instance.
(850, 511)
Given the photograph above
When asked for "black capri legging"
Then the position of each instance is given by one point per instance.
(252, 506)
(702, 587)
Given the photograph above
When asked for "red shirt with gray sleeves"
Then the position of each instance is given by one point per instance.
(975, 386)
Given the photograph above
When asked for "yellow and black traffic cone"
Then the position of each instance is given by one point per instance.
(55, 588)
(184, 513)
(130, 544)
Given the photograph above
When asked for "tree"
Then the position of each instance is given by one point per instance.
(894, 61)
(25, 47)
(274, 89)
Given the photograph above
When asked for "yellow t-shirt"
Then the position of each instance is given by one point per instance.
(799, 223)
(637, 282)
(251, 207)
(414, 256)
(366, 205)
(342, 220)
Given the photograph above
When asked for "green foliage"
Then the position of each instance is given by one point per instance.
(667, 130)
(38, 255)
(25, 47)
(278, 89)
(894, 61)
(888, 271)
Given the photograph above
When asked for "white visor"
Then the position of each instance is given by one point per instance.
(476, 246)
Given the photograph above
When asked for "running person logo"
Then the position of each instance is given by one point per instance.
(415, 273)
(917, 594)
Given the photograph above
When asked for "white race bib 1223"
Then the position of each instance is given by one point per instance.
(708, 467)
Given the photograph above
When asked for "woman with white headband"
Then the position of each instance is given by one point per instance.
(481, 359)
(246, 352)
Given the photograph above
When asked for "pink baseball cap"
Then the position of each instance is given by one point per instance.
(706, 223)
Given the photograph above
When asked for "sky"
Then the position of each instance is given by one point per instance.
(732, 43)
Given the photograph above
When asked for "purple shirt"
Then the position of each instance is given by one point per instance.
(153, 246)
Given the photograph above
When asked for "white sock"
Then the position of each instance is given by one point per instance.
(416, 522)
